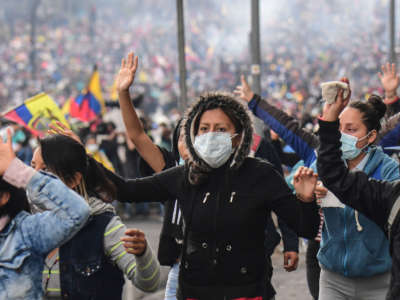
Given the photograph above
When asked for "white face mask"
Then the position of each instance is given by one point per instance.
(92, 148)
(214, 148)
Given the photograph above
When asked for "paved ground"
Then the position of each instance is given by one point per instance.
(289, 286)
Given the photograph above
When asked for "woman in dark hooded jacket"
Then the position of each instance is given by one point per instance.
(224, 196)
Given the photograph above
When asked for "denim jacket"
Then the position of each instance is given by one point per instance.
(27, 239)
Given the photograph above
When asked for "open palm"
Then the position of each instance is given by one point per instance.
(126, 74)
(389, 79)
(305, 181)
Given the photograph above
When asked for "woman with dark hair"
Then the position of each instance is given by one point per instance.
(92, 264)
(353, 248)
(224, 196)
(378, 200)
(25, 239)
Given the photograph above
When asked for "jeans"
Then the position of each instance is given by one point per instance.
(172, 283)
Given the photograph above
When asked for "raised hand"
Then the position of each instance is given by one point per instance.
(389, 79)
(134, 241)
(332, 111)
(6, 153)
(126, 74)
(64, 130)
(244, 91)
(304, 182)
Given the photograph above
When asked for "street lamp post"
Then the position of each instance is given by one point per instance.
(181, 53)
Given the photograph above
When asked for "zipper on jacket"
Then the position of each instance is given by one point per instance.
(206, 197)
(232, 196)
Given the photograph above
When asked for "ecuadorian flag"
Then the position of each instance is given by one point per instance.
(36, 114)
(89, 103)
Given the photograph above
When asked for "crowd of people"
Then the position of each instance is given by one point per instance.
(333, 41)
(329, 172)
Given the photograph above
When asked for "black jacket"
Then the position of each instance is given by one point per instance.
(373, 198)
(224, 252)
(169, 246)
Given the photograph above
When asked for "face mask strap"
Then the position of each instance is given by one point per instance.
(365, 136)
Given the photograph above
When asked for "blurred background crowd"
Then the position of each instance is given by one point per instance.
(303, 43)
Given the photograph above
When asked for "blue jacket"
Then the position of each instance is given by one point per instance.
(346, 250)
(343, 249)
(27, 239)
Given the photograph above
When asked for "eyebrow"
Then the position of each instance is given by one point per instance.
(219, 124)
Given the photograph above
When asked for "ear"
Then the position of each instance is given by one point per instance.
(236, 140)
(5, 197)
(372, 137)
(75, 181)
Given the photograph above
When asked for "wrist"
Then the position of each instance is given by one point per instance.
(304, 198)
(390, 93)
(249, 97)
(329, 117)
(390, 100)
(123, 91)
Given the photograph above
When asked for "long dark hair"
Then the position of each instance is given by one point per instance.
(64, 157)
(18, 201)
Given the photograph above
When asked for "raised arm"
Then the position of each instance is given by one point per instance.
(390, 82)
(288, 128)
(373, 198)
(68, 211)
(144, 145)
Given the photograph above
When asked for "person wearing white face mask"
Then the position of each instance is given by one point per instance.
(214, 148)
(224, 198)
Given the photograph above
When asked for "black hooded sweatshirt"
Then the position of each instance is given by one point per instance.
(224, 212)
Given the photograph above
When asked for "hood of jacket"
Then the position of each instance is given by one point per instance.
(380, 166)
(98, 206)
(198, 169)
(175, 139)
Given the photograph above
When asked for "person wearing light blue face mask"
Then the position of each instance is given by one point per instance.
(349, 145)
(364, 263)
(352, 246)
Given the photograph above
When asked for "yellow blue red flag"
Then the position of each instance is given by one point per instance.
(36, 114)
(89, 103)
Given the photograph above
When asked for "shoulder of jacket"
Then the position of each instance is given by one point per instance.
(257, 163)
(384, 163)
